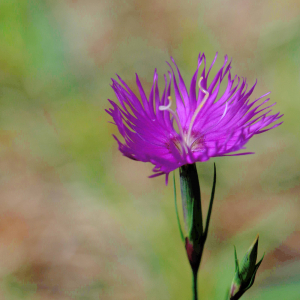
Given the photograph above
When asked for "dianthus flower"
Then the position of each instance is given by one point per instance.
(204, 124)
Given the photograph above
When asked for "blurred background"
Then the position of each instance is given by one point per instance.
(80, 221)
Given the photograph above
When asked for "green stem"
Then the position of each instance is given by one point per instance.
(195, 290)
(195, 236)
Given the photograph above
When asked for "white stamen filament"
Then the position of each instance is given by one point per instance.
(167, 108)
(197, 110)
(224, 113)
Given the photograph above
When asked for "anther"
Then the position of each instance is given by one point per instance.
(166, 107)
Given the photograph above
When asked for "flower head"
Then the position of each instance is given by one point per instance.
(204, 124)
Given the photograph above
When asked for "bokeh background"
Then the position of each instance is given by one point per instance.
(80, 221)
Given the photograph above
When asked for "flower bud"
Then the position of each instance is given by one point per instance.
(245, 272)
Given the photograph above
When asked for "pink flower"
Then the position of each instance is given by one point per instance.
(205, 123)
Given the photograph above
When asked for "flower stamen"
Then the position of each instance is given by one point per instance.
(173, 113)
(224, 113)
(166, 107)
(197, 110)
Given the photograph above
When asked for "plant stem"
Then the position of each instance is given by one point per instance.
(195, 291)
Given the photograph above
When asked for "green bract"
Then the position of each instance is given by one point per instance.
(245, 272)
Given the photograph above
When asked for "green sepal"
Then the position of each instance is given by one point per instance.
(254, 273)
(247, 265)
(191, 203)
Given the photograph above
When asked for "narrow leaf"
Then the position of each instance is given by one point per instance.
(210, 203)
(236, 261)
(176, 209)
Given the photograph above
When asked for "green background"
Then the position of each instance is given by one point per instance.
(80, 221)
